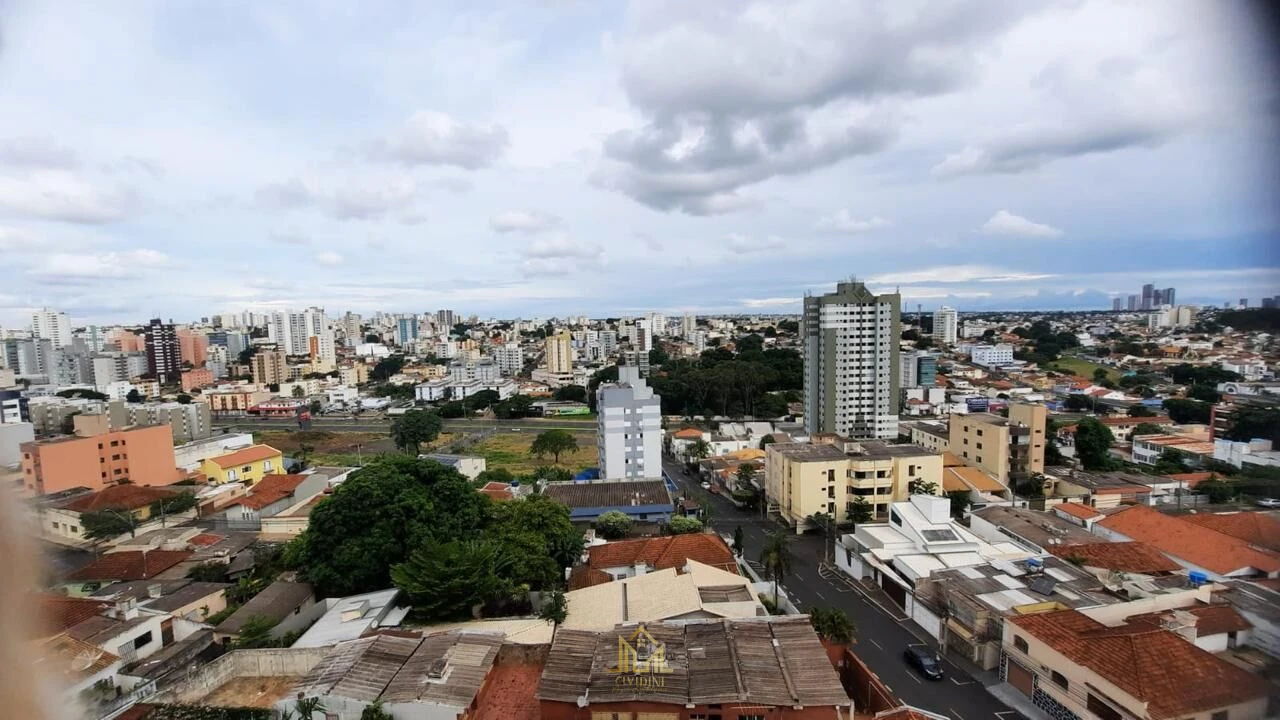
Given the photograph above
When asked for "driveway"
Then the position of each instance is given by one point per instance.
(882, 633)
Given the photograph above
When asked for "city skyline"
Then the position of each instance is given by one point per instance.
(548, 160)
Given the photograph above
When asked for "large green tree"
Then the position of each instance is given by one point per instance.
(1187, 411)
(553, 443)
(571, 393)
(613, 525)
(1093, 444)
(832, 625)
(381, 514)
(446, 581)
(108, 523)
(412, 429)
(538, 530)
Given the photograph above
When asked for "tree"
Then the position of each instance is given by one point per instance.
(1218, 491)
(553, 443)
(413, 428)
(1187, 411)
(766, 441)
(1255, 422)
(819, 521)
(482, 399)
(179, 503)
(554, 608)
(451, 409)
(375, 712)
(184, 399)
(911, 334)
(256, 633)
(498, 475)
(315, 406)
(1093, 444)
(658, 357)
(613, 525)
(211, 571)
(571, 393)
(108, 523)
(776, 559)
(387, 367)
(1099, 374)
(303, 455)
(450, 580)
(1140, 410)
(307, 707)
(371, 338)
(1170, 462)
(83, 393)
(134, 396)
(746, 473)
(298, 391)
(1204, 393)
(380, 514)
(832, 625)
(959, 502)
(739, 543)
(1147, 429)
(925, 342)
(681, 525)
(695, 451)
(859, 510)
(922, 487)
(540, 527)
(1080, 401)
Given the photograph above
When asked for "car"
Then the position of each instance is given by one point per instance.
(924, 660)
(706, 485)
(1268, 503)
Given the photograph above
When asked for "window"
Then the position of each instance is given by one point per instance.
(979, 433)
(1099, 707)
(1020, 643)
(75, 529)
(911, 469)
(114, 443)
(893, 518)
(1058, 679)
(116, 456)
(750, 717)
(99, 446)
(979, 446)
(141, 640)
(1220, 715)
(266, 466)
(247, 468)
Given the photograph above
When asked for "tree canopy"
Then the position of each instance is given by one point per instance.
(1187, 411)
(554, 443)
(613, 525)
(1093, 444)
(681, 525)
(411, 430)
(832, 625)
(571, 393)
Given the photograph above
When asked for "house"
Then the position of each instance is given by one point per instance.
(272, 495)
(980, 487)
(1259, 605)
(1255, 528)
(123, 631)
(75, 666)
(741, 668)
(497, 491)
(1030, 529)
(701, 591)
(1147, 449)
(470, 466)
(1118, 557)
(1070, 664)
(248, 465)
(642, 500)
(679, 442)
(182, 598)
(1194, 546)
(350, 617)
(290, 605)
(128, 565)
(60, 520)
(628, 558)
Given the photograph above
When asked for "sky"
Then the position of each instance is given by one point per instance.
(535, 159)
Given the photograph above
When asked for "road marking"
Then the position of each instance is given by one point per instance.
(913, 677)
(873, 642)
(960, 683)
(953, 712)
(1002, 713)
(815, 592)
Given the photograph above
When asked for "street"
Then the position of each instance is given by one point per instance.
(881, 636)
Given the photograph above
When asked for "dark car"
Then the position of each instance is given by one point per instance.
(924, 660)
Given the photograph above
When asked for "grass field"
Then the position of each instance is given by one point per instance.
(330, 444)
(1084, 368)
(511, 452)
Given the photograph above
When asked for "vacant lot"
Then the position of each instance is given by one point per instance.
(511, 451)
(339, 448)
(1084, 368)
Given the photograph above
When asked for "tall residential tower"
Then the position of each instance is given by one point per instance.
(629, 428)
(851, 362)
(945, 323)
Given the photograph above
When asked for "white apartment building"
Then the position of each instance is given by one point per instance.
(292, 331)
(945, 322)
(49, 324)
(992, 355)
(510, 359)
(629, 427)
(657, 324)
(464, 371)
(851, 362)
(688, 325)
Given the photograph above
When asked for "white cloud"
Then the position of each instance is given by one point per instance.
(37, 152)
(1006, 223)
(523, 221)
(844, 221)
(434, 138)
(63, 196)
(369, 200)
(95, 266)
(955, 274)
(329, 258)
(745, 245)
(560, 255)
(758, 303)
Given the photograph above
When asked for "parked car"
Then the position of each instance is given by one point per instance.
(1268, 503)
(924, 660)
(706, 485)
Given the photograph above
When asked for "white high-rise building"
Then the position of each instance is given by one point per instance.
(851, 362)
(326, 355)
(293, 331)
(559, 351)
(510, 359)
(944, 326)
(688, 326)
(658, 324)
(629, 427)
(49, 324)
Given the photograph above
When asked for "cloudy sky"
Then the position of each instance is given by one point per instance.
(559, 157)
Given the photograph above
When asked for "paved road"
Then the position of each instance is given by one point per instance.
(881, 636)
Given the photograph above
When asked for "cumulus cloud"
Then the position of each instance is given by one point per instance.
(843, 221)
(1006, 223)
(82, 267)
(757, 303)
(65, 197)
(956, 274)
(434, 138)
(1030, 150)
(329, 258)
(38, 152)
(523, 221)
(364, 201)
(289, 238)
(746, 245)
(560, 255)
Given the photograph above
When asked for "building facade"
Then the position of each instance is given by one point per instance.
(269, 368)
(1008, 449)
(49, 324)
(559, 351)
(164, 355)
(629, 427)
(851, 362)
(140, 455)
(945, 321)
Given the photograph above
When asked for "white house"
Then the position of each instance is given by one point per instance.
(342, 395)
(350, 617)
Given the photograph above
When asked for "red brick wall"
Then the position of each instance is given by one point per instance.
(869, 694)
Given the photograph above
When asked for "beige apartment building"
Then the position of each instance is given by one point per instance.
(802, 479)
(559, 351)
(1005, 448)
(269, 367)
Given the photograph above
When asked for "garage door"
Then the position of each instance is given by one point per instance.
(1020, 678)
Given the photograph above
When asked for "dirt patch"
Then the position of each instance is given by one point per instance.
(324, 442)
(254, 692)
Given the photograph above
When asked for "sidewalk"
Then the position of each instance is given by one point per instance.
(1013, 697)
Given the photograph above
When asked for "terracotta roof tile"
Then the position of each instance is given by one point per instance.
(60, 612)
(688, 434)
(510, 693)
(271, 489)
(1196, 544)
(963, 478)
(1133, 557)
(497, 491)
(1174, 677)
(130, 565)
(204, 539)
(1077, 510)
(661, 553)
(1210, 619)
(240, 457)
(72, 660)
(124, 497)
(1253, 527)
(1192, 478)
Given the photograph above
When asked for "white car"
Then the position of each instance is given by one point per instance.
(1268, 503)
(706, 485)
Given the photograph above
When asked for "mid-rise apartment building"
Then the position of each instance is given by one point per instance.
(918, 369)
(269, 368)
(629, 427)
(992, 355)
(510, 359)
(559, 351)
(802, 479)
(139, 455)
(463, 371)
(187, 422)
(1007, 449)
(945, 323)
(49, 324)
(851, 362)
(164, 355)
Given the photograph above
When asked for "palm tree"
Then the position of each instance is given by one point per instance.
(697, 450)
(832, 625)
(776, 559)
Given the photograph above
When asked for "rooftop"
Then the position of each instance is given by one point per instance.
(60, 612)
(1003, 586)
(130, 565)
(1196, 544)
(1126, 557)
(662, 595)
(1174, 677)
(275, 602)
(125, 497)
(610, 494)
(806, 452)
(658, 553)
(242, 457)
(769, 662)
(350, 617)
(270, 490)
(1077, 510)
(1209, 619)
(1038, 528)
(966, 478)
(65, 657)
(186, 595)
(1257, 528)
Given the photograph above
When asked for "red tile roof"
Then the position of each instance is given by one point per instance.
(510, 693)
(204, 539)
(1210, 619)
(1077, 510)
(497, 490)
(1133, 557)
(271, 489)
(242, 457)
(1254, 527)
(1192, 478)
(661, 553)
(688, 434)
(124, 497)
(1196, 544)
(1174, 677)
(130, 565)
(60, 612)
